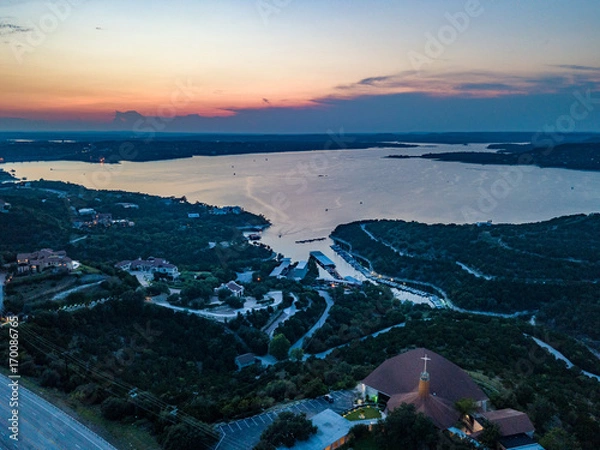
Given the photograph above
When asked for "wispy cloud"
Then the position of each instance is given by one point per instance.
(483, 84)
(7, 27)
(576, 67)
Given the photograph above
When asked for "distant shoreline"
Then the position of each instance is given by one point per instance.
(573, 156)
(138, 150)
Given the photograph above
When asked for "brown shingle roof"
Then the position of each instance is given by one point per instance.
(439, 410)
(400, 375)
(510, 421)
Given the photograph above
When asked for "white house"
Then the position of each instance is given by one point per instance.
(235, 289)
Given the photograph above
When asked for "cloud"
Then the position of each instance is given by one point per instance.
(373, 80)
(576, 67)
(478, 84)
(8, 28)
(266, 101)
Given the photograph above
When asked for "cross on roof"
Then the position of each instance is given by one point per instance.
(425, 358)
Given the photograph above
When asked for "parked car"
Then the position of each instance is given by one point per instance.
(328, 398)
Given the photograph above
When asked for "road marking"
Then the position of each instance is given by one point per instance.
(255, 422)
(260, 417)
(229, 425)
(238, 424)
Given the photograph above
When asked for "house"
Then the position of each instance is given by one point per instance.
(516, 430)
(426, 380)
(128, 205)
(246, 360)
(216, 211)
(151, 265)
(193, 216)
(234, 288)
(103, 219)
(300, 271)
(519, 442)
(282, 269)
(332, 432)
(4, 206)
(44, 259)
(87, 212)
(511, 422)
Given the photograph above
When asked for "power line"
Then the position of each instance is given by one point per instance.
(37, 341)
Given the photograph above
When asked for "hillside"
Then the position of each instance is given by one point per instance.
(549, 268)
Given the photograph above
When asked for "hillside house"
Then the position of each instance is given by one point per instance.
(150, 265)
(42, 260)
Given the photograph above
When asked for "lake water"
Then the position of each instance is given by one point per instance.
(306, 194)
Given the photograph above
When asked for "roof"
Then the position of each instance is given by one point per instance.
(43, 254)
(277, 271)
(440, 411)
(322, 259)
(234, 287)
(302, 265)
(510, 421)
(520, 442)
(246, 359)
(330, 428)
(400, 375)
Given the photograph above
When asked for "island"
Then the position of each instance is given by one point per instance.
(574, 156)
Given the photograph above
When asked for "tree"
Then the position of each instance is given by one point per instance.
(490, 434)
(279, 347)
(50, 378)
(297, 354)
(286, 430)
(185, 437)
(465, 406)
(234, 302)
(114, 408)
(407, 429)
(558, 439)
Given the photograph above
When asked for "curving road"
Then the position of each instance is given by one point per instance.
(42, 426)
(320, 322)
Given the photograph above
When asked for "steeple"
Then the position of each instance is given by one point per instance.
(424, 379)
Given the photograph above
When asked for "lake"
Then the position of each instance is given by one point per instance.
(306, 194)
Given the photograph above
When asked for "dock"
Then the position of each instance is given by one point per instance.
(326, 264)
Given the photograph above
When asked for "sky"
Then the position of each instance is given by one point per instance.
(300, 65)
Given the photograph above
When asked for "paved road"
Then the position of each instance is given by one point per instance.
(42, 426)
(244, 434)
(558, 355)
(320, 322)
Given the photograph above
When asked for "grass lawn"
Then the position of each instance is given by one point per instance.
(367, 412)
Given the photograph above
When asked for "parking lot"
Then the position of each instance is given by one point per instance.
(245, 433)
